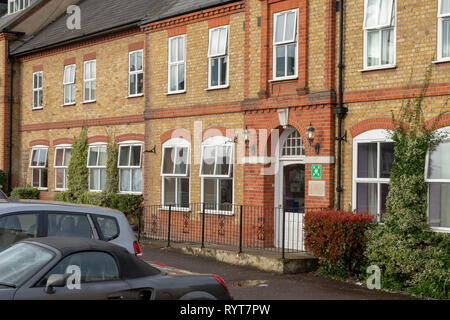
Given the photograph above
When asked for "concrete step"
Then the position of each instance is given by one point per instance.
(299, 262)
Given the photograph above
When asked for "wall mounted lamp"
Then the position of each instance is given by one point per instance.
(311, 136)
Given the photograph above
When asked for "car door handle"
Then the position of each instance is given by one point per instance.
(115, 297)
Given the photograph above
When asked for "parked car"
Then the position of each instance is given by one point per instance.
(3, 195)
(39, 269)
(31, 219)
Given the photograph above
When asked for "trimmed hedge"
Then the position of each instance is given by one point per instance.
(27, 192)
(338, 240)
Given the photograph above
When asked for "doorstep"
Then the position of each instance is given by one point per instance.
(300, 262)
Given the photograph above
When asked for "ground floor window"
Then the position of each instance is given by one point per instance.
(97, 167)
(130, 168)
(62, 160)
(39, 167)
(372, 162)
(438, 178)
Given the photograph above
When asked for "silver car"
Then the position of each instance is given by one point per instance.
(31, 219)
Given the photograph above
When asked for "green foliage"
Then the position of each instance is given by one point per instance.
(78, 173)
(2, 179)
(93, 198)
(64, 196)
(408, 252)
(112, 171)
(27, 192)
(127, 203)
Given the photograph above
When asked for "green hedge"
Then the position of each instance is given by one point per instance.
(27, 192)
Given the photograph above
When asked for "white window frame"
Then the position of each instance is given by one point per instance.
(446, 132)
(219, 56)
(38, 89)
(38, 167)
(373, 136)
(285, 44)
(69, 84)
(61, 167)
(177, 64)
(176, 143)
(120, 167)
(90, 80)
(441, 19)
(18, 5)
(97, 166)
(218, 141)
(380, 28)
(135, 73)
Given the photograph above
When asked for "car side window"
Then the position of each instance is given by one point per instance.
(94, 267)
(108, 226)
(68, 225)
(16, 227)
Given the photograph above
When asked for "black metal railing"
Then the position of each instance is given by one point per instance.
(241, 227)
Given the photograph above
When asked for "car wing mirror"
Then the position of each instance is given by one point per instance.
(55, 281)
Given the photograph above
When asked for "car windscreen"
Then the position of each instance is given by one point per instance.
(21, 261)
(2, 195)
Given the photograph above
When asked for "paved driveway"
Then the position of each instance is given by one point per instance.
(251, 284)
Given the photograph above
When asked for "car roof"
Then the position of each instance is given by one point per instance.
(131, 266)
(31, 205)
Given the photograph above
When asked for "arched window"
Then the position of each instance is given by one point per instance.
(293, 145)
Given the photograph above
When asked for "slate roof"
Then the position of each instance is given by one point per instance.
(107, 15)
(7, 19)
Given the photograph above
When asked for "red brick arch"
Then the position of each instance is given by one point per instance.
(40, 142)
(59, 141)
(130, 137)
(438, 122)
(176, 133)
(218, 131)
(371, 124)
(98, 139)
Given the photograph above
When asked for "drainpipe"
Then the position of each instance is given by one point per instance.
(11, 78)
(340, 111)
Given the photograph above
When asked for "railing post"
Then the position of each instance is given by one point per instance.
(139, 223)
(240, 229)
(203, 226)
(283, 235)
(169, 223)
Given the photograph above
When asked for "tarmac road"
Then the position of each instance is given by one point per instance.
(247, 283)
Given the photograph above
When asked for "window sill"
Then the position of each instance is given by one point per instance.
(441, 229)
(37, 108)
(42, 189)
(218, 212)
(69, 104)
(89, 102)
(181, 209)
(217, 88)
(379, 68)
(283, 79)
(175, 92)
(135, 96)
(441, 61)
(130, 192)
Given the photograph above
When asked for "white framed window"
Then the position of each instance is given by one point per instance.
(293, 146)
(216, 171)
(379, 33)
(90, 83)
(218, 57)
(69, 84)
(373, 156)
(39, 167)
(175, 168)
(285, 45)
(18, 5)
(437, 175)
(61, 164)
(97, 167)
(136, 73)
(38, 90)
(130, 167)
(177, 64)
(443, 30)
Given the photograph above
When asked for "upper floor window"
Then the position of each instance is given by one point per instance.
(177, 64)
(90, 81)
(136, 73)
(97, 167)
(218, 57)
(444, 30)
(39, 165)
(379, 33)
(62, 160)
(130, 168)
(18, 5)
(69, 84)
(175, 173)
(37, 90)
(285, 45)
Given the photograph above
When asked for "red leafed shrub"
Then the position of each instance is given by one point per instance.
(337, 239)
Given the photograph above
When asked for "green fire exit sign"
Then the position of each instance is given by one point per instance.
(317, 172)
